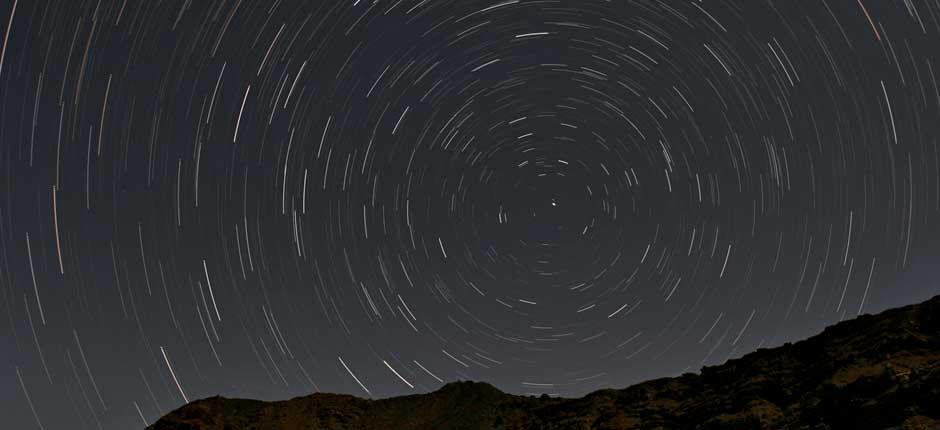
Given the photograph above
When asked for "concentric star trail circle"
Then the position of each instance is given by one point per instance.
(265, 199)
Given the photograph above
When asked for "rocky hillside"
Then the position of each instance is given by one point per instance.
(874, 372)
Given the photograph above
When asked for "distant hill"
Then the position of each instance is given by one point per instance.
(873, 372)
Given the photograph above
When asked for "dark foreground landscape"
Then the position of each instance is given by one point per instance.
(873, 372)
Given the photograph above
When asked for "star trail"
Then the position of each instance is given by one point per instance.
(267, 199)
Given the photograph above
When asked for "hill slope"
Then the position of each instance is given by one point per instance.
(873, 372)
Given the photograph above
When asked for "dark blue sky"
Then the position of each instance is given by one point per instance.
(269, 198)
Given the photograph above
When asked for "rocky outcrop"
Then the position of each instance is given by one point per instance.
(874, 372)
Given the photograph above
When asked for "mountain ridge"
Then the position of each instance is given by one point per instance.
(875, 371)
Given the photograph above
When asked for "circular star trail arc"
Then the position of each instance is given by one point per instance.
(265, 199)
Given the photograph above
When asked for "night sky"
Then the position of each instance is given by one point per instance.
(268, 198)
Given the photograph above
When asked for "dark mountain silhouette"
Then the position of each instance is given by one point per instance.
(873, 372)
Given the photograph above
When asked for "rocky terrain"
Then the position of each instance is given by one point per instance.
(873, 372)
